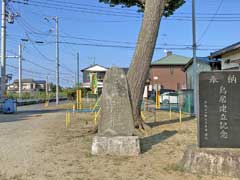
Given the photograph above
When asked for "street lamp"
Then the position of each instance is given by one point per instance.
(157, 92)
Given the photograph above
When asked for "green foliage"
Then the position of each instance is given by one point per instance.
(171, 5)
(70, 93)
(34, 95)
(11, 95)
(53, 87)
(124, 3)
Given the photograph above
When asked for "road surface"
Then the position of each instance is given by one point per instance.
(24, 137)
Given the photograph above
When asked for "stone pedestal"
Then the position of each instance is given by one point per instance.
(213, 161)
(116, 145)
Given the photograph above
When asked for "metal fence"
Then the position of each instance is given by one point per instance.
(187, 101)
(1, 106)
(173, 101)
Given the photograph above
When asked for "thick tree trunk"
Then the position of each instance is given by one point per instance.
(139, 69)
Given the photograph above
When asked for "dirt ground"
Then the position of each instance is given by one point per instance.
(36, 145)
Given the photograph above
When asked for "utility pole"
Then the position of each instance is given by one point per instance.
(3, 50)
(20, 71)
(75, 80)
(195, 71)
(46, 87)
(77, 70)
(57, 60)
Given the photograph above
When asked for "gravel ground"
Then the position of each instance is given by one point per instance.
(35, 145)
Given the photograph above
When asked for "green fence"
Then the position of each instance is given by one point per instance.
(174, 100)
(187, 104)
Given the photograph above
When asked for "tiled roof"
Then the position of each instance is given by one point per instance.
(172, 59)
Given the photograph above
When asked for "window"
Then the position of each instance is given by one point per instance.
(227, 61)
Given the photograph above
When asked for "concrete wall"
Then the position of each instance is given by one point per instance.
(169, 77)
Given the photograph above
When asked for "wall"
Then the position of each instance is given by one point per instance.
(100, 76)
(200, 67)
(234, 55)
(85, 76)
(169, 77)
(27, 86)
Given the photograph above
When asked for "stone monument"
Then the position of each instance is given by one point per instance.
(218, 150)
(116, 125)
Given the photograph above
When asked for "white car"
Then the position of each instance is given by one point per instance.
(169, 97)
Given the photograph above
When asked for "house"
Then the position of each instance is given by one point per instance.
(28, 85)
(203, 64)
(229, 56)
(167, 72)
(100, 72)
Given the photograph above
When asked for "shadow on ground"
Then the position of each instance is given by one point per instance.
(147, 142)
(164, 122)
(22, 115)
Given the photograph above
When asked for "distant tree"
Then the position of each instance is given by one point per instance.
(53, 87)
(139, 68)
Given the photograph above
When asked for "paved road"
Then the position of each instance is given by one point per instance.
(23, 138)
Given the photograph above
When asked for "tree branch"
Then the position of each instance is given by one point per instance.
(142, 1)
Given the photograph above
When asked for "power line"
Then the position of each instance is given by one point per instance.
(50, 70)
(66, 68)
(86, 7)
(26, 70)
(38, 74)
(125, 14)
(36, 31)
(124, 10)
(209, 24)
(120, 42)
(211, 14)
(172, 18)
(61, 65)
(33, 44)
(38, 65)
(92, 6)
(130, 47)
(42, 67)
(75, 9)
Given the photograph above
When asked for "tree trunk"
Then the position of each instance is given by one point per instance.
(139, 68)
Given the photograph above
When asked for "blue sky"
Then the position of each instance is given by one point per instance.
(85, 26)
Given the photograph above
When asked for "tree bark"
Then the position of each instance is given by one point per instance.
(139, 68)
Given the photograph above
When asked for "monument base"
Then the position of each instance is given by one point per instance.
(117, 145)
(220, 162)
